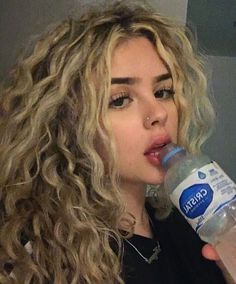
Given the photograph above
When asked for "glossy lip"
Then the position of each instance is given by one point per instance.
(152, 152)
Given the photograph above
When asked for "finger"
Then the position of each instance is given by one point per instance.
(209, 252)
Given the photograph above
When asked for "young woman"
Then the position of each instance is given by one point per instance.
(82, 124)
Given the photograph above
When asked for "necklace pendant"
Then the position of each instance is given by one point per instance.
(155, 254)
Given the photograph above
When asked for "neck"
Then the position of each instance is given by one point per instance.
(134, 198)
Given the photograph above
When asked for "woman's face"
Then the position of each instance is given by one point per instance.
(142, 111)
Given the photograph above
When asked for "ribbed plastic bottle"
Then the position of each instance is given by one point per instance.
(206, 197)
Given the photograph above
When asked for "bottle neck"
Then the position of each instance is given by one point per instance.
(175, 158)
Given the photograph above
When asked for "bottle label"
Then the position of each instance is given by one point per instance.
(203, 193)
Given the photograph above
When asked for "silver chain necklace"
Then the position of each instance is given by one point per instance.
(153, 257)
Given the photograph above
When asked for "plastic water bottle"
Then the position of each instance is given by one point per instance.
(206, 197)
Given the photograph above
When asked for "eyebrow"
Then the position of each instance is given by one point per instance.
(133, 80)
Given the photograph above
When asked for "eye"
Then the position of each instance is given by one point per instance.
(165, 93)
(119, 100)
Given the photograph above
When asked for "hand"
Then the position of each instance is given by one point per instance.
(210, 253)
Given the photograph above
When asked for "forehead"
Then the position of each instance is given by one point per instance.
(136, 57)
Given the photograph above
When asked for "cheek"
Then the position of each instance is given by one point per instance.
(123, 139)
(127, 139)
(176, 125)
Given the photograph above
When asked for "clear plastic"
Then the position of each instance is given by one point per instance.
(220, 228)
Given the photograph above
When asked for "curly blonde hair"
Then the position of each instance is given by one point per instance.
(55, 187)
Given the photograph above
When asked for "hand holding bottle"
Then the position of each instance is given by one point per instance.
(210, 253)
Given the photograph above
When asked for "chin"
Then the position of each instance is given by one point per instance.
(155, 180)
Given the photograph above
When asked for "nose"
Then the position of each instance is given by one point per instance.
(156, 114)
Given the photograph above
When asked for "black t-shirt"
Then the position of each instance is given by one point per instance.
(179, 262)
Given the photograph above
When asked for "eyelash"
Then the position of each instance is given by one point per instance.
(166, 93)
(169, 93)
(119, 98)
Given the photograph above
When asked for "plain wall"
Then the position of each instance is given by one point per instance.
(176, 9)
(222, 145)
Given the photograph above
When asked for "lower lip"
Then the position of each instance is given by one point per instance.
(154, 160)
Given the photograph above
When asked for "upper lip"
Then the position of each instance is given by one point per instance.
(157, 143)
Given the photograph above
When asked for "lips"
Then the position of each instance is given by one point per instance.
(152, 152)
